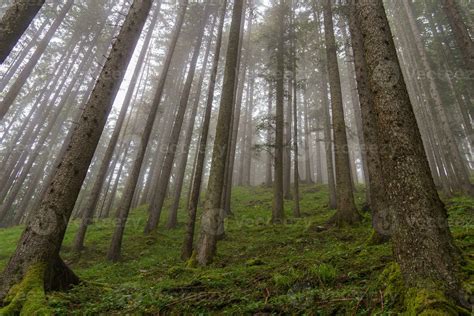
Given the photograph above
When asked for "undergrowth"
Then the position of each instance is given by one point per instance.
(296, 267)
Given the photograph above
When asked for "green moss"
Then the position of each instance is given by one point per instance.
(392, 283)
(305, 270)
(416, 301)
(192, 262)
(254, 262)
(28, 297)
(430, 303)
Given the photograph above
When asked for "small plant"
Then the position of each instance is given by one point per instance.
(324, 273)
(284, 281)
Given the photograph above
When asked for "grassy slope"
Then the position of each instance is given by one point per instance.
(259, 267)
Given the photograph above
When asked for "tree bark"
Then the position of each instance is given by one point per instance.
(278, 213)
(28, 69)
(269, 164)
(94, 195)
(210, 217)
(346, 210)
(195, 188)
(287, 141)
(181, 167)
(422, 241)
(328, 138)
(379, 205)
(307, 139)
(14, 23)
(296, 210)
(460, 31)
(24, 52)
(239, 91)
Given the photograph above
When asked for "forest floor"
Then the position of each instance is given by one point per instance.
(260, 268)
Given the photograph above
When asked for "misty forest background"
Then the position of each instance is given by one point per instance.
(237, 156)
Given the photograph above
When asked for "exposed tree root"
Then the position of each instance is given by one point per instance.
(59, 277)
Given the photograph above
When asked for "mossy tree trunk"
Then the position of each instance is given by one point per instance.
(41, 240)
(346, 210)
(14, 23)
(212, 208)
(422, 241)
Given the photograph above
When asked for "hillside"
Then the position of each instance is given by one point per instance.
(260, 268)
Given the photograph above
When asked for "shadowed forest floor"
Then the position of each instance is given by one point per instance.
(260, 268)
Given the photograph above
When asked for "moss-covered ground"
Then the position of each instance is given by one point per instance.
(296, 267)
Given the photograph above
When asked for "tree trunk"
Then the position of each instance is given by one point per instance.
(181, 167)
(448, 141)
(307, 139)
(35, 203)
(14, 23)
(248, 140)
(210, 217)
(287, 144)
(239, 90)
(32, 126)
(94, 195)
(328, 139)
(296, 210)
(378, 194)
(113, 253)
(422, 241)
(157, 204)
(36, 147)
(460, 32)
(269, 164)
(357, 113)
(24, 52)
(28, 69)
(38, 249)
(278, 213)
(346, 210)
(195, 188)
